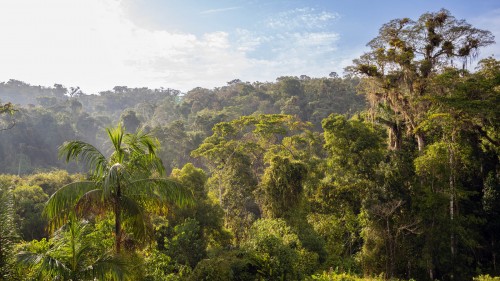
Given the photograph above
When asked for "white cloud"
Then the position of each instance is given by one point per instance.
(294, 42)
(214, 11)
(302, 18)
(94, 45)
(289, 53)
(249, 41)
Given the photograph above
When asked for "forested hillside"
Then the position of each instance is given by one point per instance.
(46, 117)
(389, 172)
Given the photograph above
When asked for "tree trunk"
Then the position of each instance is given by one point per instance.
(73, 248)
(118, 222)
(420, 141)
(391, 245)
(396, 137)
(452, 206)
(494, 256)
(395, 134)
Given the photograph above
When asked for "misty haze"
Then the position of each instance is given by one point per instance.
(249, 140)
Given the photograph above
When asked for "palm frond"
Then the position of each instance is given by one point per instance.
(134, 216)
(92, 202)
(142, 142)
(142, 165)
(60, 205)
(116, 176)
(160, 191)
(91, 156)
(45, 265)
(142, 151)
(82, 252)
(116, 267)
(53, 267)
(28, 259)
(116, 137)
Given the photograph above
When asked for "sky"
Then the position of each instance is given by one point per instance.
(183, 44)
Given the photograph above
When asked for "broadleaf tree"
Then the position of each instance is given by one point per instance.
(404, 58)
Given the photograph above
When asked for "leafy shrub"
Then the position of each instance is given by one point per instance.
(187, 245)
(486, 278)
(334, 276)
(229, 265)
(216, 269)
(278, 252)
(161, 267)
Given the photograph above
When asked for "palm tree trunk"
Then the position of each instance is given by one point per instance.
(118, 222)
(73, 247)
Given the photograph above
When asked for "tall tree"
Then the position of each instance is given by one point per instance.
(235, 154)
(282, 186)
(463, 158)
(128, 183)
(404, 57)
(9, 109)
(4, 108)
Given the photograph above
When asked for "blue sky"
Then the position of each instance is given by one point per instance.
(98, 44)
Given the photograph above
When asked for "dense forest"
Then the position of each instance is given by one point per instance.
(391, 171)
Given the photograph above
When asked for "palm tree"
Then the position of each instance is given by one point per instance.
(71, 255)
(128, 183)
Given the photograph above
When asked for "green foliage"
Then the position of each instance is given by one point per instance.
(282, 186)
(233, 181)
(425, 208)
(471, 100)
(207, 214)
(237, 265)
(434, 163)
(6, 108)
(47, 116)
(120, 184)
(51, 181)
(355, 151)
(130, 120)
(237, 153)
(8, 233)
(341, 238)
(353, 146)
(486, 278)
(215, 269)
(193, 179)
(177, 143)
(404, 58)
(5, 123)
(70, 255)
(234, 188)
(278, 252)
(186, 244)
(333, 276)
(160, 266)
(29, 204)
(29, 200)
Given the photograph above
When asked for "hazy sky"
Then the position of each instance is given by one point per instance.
(182, 44)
